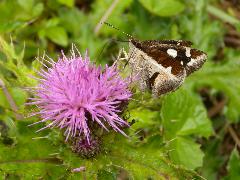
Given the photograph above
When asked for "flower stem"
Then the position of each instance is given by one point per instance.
(10, 100)
(233, 135)
(105, 16)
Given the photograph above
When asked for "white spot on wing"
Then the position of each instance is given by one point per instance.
(169, 69)
(191, 62)
(188, 52)
(200, 59)
(172, 52)
(181, 62)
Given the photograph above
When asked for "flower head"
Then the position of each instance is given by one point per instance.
(84, 149)
(74, 93)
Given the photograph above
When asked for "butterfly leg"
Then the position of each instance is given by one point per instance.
(126, 56)
(140, 70)
(119, 57)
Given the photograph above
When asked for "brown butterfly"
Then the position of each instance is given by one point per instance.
(162, 65)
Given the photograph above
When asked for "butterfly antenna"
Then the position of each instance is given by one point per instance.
(110, 25)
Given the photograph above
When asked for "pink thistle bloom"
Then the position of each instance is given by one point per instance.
(74, 93)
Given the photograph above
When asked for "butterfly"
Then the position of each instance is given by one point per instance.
(162, 65)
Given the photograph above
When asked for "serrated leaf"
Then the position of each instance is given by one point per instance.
(184, 114)
(58, 35)
(163, 7)
(146, 162)
(186, 152)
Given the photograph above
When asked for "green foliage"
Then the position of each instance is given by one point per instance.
(186, 152)
(26, 158)
(212, 162)
(145, 161)
(229, 83)
(57, 35)
(69, 3)
(183, 115)
(222, 15)
(234, 166)
(172, 137)
(164, 7)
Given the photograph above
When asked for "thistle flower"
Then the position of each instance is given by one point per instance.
(82, 148)
(74, 93)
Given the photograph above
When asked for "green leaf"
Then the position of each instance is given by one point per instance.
(26, 4)
(58, 35)
(163, 7)
(11, 126)
(28, 153)
(68, 3)
(222, 15)
(144, 118)
(30, 9)
(53, 22)
(138, 162)
(233, 166)
(186, 152)
(19, 96)
(37, 9)
(105, 175)
(212, 161)
(184, 114)
(70, 19)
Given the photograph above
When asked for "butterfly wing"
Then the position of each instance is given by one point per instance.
(170, 42)
(198, 58)
(165, 63)
(157, 71)
(191, 59)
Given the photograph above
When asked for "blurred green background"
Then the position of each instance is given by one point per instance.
(192, 133)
